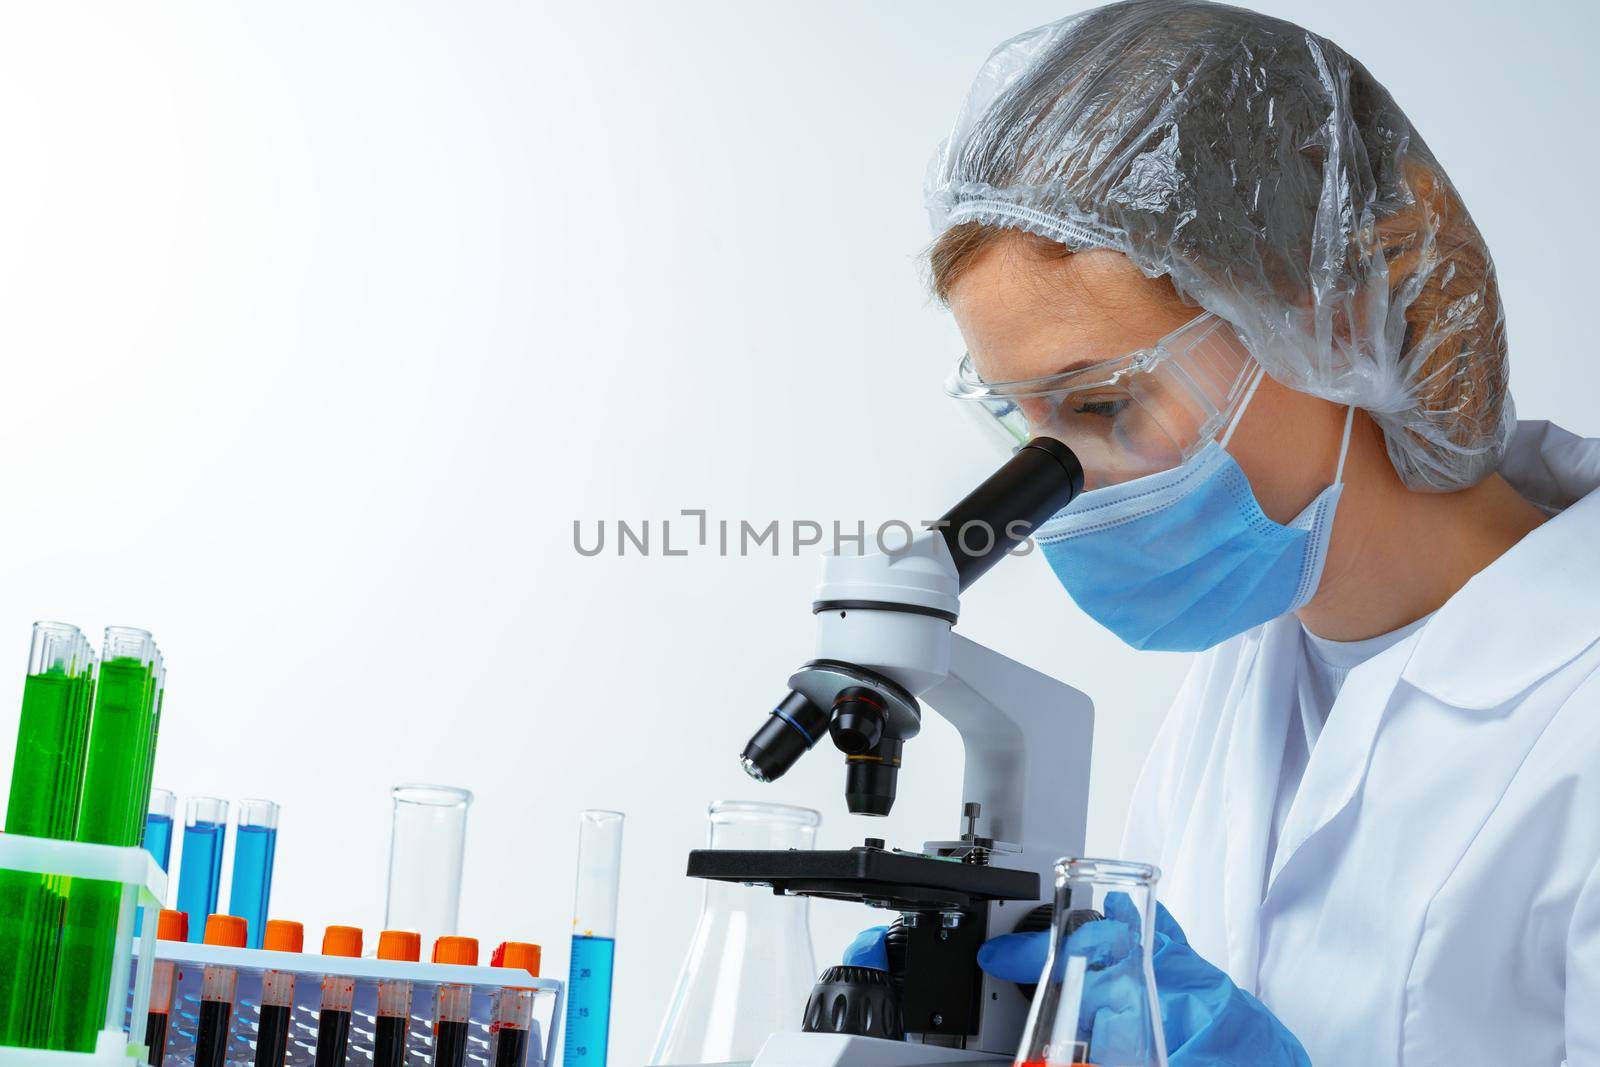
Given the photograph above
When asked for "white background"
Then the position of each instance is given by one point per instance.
(323, 322)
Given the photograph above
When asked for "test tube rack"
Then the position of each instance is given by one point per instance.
(144, 885)
(309, 969)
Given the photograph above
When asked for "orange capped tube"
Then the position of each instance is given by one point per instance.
(218, 985)
(452, 1002)
(338, 996)
(393, 1028)
(277, 993)
(511, 1014)
(171, 926)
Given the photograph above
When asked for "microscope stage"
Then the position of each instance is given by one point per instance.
(899, 881)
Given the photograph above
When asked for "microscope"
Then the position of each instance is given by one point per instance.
(885, 647)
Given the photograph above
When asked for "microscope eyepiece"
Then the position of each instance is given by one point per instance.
(794, 726)
(1039, 480)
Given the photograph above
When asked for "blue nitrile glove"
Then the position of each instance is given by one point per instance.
(1207, 1020)
(869, 949)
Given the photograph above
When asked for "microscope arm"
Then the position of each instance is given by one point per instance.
(1026, 738)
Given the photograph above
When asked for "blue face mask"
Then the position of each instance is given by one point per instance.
(1185, 559)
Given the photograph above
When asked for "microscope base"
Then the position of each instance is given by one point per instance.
(841, 1050)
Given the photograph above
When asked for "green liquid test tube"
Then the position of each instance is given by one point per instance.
(46, 779)
(116, 786)
(144, 773)
(47, 773)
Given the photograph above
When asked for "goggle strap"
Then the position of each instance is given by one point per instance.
(1233, 423)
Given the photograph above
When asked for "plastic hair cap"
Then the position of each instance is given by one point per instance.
(518, 955)
(227, 930)
(173, 925)
(341, 941)
(1277, 184)
(400, 945)
(452, 949)
(284, 935)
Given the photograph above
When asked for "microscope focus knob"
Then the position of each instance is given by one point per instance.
(854, 1000)
(858, 718)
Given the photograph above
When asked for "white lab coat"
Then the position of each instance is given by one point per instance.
(1435, 898)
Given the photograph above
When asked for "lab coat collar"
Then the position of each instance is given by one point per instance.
(1517, 620)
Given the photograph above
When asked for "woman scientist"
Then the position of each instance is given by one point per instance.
(1209, 252)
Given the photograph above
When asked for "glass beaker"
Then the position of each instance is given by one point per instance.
(1095, 1005)
(750, 965)
(426, 850)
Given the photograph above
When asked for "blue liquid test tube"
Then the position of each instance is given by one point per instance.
(158, 826)
(157, 838)
(253, 849)
(594, 939)
(205, 831)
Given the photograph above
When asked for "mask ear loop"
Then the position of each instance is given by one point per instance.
(1344, 444)
(1255, 383)
(1233, 423)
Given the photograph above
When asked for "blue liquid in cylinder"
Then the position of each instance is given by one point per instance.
(252, 878)
(589, 1001)
(200, 874)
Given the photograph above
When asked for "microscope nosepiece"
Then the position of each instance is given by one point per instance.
(794, 726)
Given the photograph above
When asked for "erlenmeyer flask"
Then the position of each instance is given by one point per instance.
(1096, 1005)
(750, 965)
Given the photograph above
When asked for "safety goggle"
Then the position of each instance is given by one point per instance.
(1138, 414)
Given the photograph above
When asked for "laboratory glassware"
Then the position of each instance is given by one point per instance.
(218, 987)
(452, 1003)
(277, 994)
(129, 876)
(158, 826)
(1095, 1003)
(171, 926)
(511, 1010)
(157, 835)
(46, 784)
(594, 939)
(750, 965)
(426, 849)
(158, 692)
(253, 851)
(338, 998)
(205, 832)
(116, 795)
(392, 1019)
(121, 732)
(52, 731)
(297, 979)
